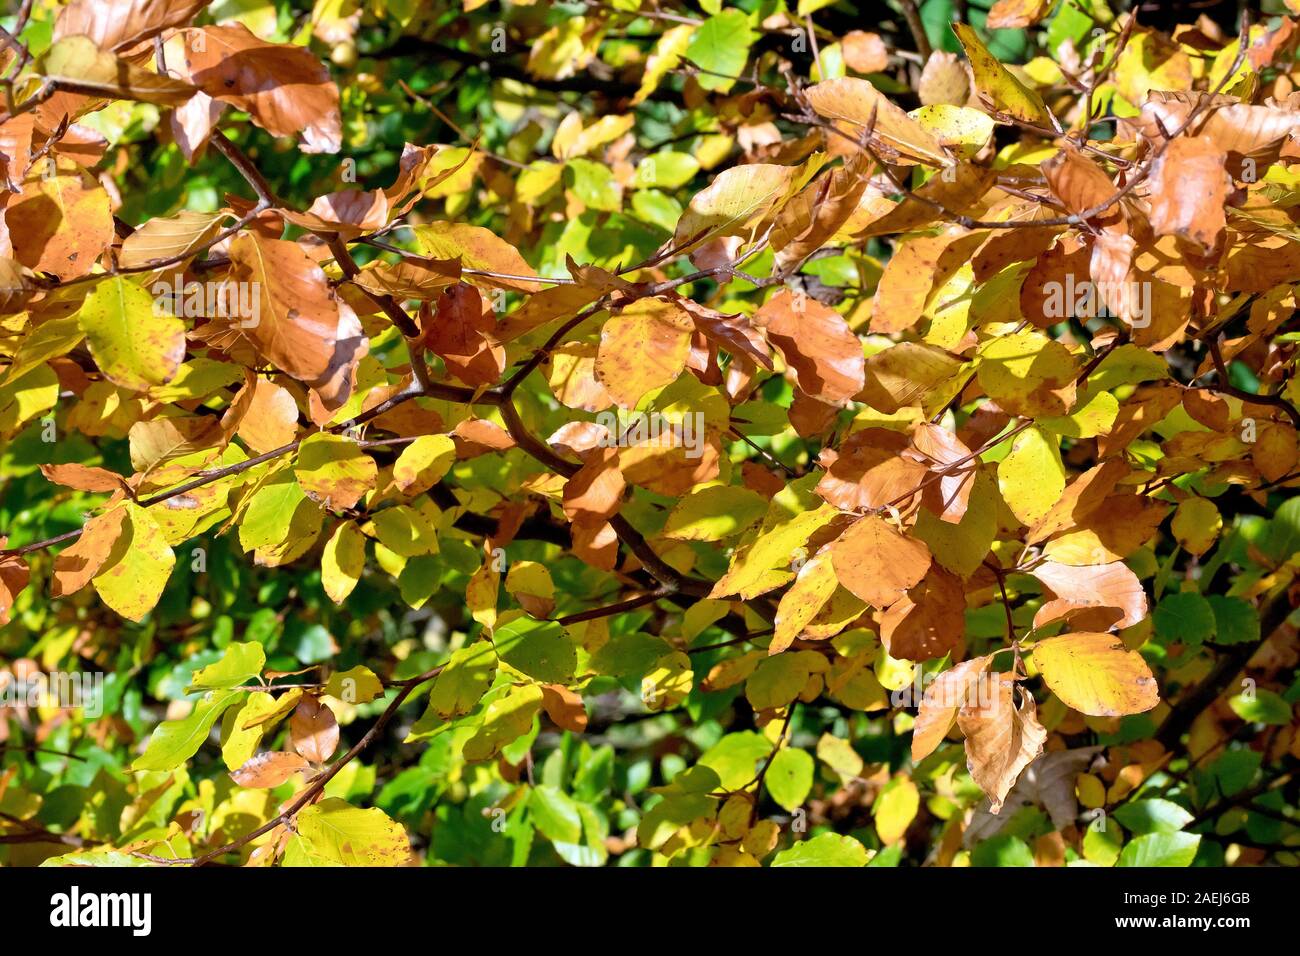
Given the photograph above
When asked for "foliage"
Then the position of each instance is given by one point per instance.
(536, 434)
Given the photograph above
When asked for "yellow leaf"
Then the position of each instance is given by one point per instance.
(895, 809)
(812, 588)
(343, 561)
(1196, 524)
(997, 84)
(1096, 674)
(423, 463)
(1032, 476)
(132, 579)
(334, 470)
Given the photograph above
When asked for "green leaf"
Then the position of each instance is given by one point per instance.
(506, 719)
(555, 814)
(540, 649)
(777, 680)
(239, 663)
(464, 680)
(1102, 841)
(1002, 851)
(1235, 770)
(1187, 618)
(790, 777)
(721, 46)
(1153, 816)
(1261, 707)
(825, 849)
(736, 758)
(176, 741)
(1161, 849)
(269, 514)
(714, 513)
(629, 655)
(1235, 621)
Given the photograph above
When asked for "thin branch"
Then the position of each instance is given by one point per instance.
(1225, 386)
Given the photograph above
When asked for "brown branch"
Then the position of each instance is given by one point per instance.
(917, 28)
(314, 789)
(1226, 669)
(631, 604)
(252, 175)
(1227, 388)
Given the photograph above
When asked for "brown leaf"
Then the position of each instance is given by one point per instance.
(14, 575)
(869, 470)
(1081, 499)
(1111, 533)
(945, 79)
(643, 347)
(876, 562)
(478, 436)
(812, 217)
(460, 330)
(348, 213)
(928, 620)
(269, 416)
(949, 496)
(822, 351)
(595, 542)
(957, 189)
(286, 90)
(412, 278)
(266, 770)
(810, 416)
(160, 440)
(733, 332)
(1016, 14)
(857, 107)
(84, 477)
(864, 52)
(1189, 186)
(596, 489)
(940, 703)
(314, 730)
(298, 313)
(1112, 589)
(193, 121)
(1081, 185)
(61, 223)
(1275, 451)
(908, 373)
(1048, 284)
(1001, 738)
(918, 266)
(121, 24)
(79, 562)
(165, 238)
(1208, 408)
(564, 707)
